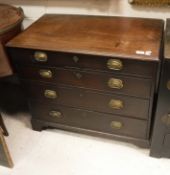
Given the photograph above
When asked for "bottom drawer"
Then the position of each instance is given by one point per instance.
(90, 120)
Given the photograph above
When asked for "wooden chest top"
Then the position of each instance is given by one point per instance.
(132, 38)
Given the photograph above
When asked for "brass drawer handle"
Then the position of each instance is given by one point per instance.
(75, 59)
(50, 94)
(116, 104)
(40, 56)
(115, 64)
(115, 83)
(45, 73)
(55, 114)
(116, 125)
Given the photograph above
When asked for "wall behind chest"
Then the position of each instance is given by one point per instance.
(35, 8)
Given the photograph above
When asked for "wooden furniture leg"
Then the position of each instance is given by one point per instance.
(5, 157)
(2, 125)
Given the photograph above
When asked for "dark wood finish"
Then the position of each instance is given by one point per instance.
(38, 125)
(90, 80)
(98, 122)
(76, 50)
(85, 62)
(109, 36)
(133, 107)
(162, 128)
(160, 146)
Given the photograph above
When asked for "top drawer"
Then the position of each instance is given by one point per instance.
(68, 60)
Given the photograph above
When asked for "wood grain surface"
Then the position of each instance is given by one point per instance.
(10, 17)
(134, 38)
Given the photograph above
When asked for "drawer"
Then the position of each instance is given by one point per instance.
(89, 120)
(77, 97)
(69, 60)
(138, 87)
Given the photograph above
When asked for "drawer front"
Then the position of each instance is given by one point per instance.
(115, 104)
(112, 83)
(90, 120)
(67, 60)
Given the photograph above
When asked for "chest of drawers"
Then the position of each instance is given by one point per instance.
(89, 74)
(160, 146)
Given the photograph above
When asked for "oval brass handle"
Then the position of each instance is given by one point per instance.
(45, 73)
(116, 104)
(55, 114)
(116, 125)
(115, 64)
(115, 83)
(40, 56)
(50, 94)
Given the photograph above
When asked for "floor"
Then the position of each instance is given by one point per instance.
(53, 152)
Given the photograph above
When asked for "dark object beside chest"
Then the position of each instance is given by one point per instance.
(160, 146)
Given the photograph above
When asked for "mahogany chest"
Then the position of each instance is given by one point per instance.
(90, 74)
